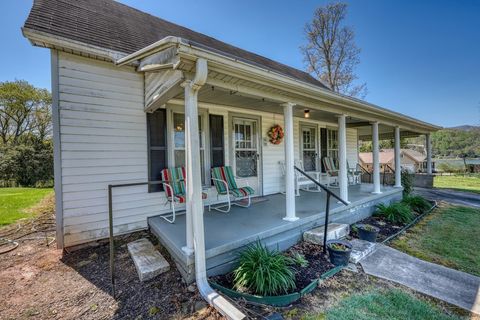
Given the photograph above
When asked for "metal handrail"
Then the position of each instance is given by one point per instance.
(387, 166)
(366, 171)
(390, 168)
(327, 205)
(110, 222)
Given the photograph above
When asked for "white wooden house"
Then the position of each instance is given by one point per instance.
(125, 85)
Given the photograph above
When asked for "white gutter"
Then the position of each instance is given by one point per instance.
(194, 195)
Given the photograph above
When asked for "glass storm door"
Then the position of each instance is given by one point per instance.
(309, 148)
(246, 151)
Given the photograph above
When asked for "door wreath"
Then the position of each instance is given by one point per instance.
(276, 134)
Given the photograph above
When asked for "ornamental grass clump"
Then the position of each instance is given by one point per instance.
(300, 260)
(417, 203)
(398, 212)
(264, 272)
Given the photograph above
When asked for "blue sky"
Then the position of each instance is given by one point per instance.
(421, 58)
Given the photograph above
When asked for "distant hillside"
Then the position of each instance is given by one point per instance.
(465, 128)
(454, 142)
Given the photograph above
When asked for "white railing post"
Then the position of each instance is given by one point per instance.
(398, 159)
(290, 214)
(342, 157)
(428, 142)
(376, 159)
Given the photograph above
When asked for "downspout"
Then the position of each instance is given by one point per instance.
(194, 194)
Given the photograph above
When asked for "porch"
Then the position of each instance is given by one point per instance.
(227, 233)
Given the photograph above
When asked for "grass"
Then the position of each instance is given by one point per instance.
(14, 203)
(389, 304)
(447, 237)
(469, 183)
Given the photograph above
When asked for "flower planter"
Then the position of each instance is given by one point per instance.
(367, 232)
(339, 257)
(278, 301)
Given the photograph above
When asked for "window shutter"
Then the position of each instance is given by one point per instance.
(157, 146)
(323, 146)
(217, 144)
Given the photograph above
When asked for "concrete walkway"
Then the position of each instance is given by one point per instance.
(458, 288)
(453, 196)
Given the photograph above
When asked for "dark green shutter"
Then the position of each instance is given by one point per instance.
(157, 146)
(323, 146)
(217, 144)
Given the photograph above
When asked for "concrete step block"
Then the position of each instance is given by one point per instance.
(334, 231)
(148, 261)
(361, 249)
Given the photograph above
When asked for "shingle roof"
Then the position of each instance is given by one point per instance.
(387, 155)
(115, 26)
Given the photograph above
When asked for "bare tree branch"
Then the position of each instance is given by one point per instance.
(330, 53)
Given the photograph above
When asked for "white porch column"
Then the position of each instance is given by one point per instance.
(289, 163)
(398, 159)
(190, 104)
(342, 157)
(428, 142)
(376, 159)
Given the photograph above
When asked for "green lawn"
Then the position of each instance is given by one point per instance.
(392, 304)
(462, 183)
(15, 201)
(447, 236)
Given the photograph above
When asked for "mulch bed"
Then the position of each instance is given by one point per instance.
(41, 282)
(318, 264)
(387, 228)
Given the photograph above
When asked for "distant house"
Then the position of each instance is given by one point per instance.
(411, 160)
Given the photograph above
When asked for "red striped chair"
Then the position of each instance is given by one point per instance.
(224, 181)
(175, 189)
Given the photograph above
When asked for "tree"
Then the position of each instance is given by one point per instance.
(330, 53)
(24, 109)
(26, 149)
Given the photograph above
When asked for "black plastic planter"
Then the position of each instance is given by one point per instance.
(367, 233)
(339, 257)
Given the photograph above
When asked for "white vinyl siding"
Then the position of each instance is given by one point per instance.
(103, 141)
(103, 136)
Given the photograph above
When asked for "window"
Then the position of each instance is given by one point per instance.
(157, 146)
(217, 146)
(332, 145)
(179, 142)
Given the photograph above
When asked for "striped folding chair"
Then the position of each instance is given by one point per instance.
(331, 170)
(175, 189)
(225, 183)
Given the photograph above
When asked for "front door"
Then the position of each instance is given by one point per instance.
(246, 152)
(309, 147)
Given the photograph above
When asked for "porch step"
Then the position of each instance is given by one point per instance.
(148, 261)
(361, 249)
(334, 231)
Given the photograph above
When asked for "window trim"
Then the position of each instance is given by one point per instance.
(329, 148)
(203, 113)
(318, 147)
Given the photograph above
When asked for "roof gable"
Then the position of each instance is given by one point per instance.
(115, 26)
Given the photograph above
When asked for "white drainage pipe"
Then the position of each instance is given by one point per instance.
(194, 194)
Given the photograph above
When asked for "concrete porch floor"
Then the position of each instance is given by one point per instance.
(225, 233)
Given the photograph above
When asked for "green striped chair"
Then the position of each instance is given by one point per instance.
(224, 181)
(175, 189)
(331, 170)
